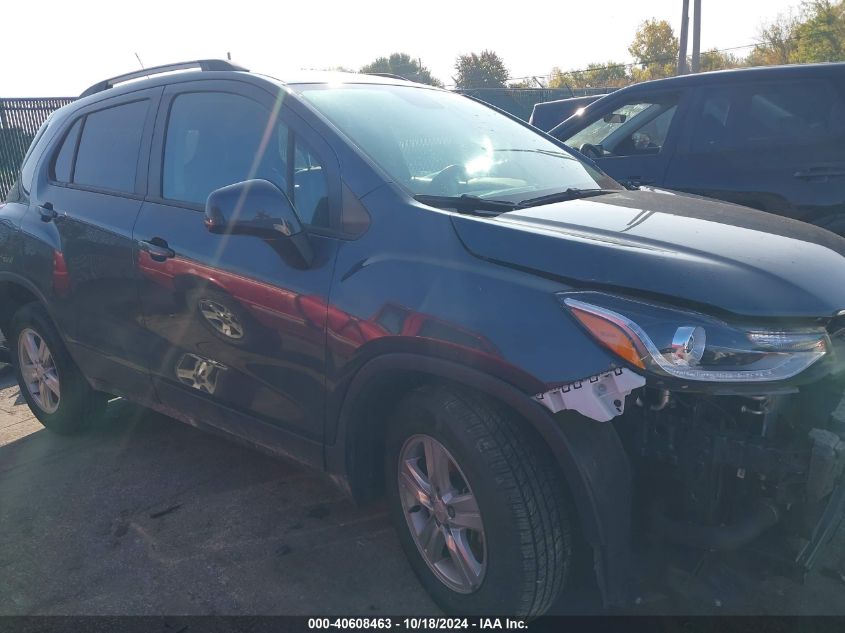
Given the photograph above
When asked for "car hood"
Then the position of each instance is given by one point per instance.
(681, 248)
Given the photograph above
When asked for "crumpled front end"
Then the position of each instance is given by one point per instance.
(716, 472)
(734, 429)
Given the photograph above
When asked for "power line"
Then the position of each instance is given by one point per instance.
(663, 60)
(646, 62)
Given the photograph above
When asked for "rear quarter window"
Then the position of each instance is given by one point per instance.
(31, 159)
(62, 168)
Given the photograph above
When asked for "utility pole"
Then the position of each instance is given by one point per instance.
(682, 51)
(696, 35)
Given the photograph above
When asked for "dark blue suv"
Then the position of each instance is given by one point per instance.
(770, 138)
(432, 301)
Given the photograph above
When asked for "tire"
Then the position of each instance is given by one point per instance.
(76, 405)
(524, 549)
(4, 354)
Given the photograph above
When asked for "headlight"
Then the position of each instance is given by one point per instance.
(694, 346)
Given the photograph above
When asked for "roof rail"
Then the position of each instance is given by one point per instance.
(202, 64)
(389, 76)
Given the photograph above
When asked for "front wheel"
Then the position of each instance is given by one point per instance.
(477, 505)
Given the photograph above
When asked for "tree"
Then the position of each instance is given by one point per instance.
(655, 49)
(403, 65)
(817, 34)
(607, 75)
(775, 42)
(820, 36)
(719, 60)
(486, 70)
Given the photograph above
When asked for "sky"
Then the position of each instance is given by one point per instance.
(54, 48)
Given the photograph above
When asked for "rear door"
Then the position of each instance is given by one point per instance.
(773, 145)
(89, 193)
(631, 137)
(232, 323)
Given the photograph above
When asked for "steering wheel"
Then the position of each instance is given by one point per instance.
(447, 181)
(591, 151)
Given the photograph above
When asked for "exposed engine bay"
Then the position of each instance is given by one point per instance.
(715, 472)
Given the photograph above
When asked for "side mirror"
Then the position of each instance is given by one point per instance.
(258, 208)
(615, 118)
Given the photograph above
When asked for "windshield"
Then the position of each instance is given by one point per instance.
(439, 143)
(634, 128)
(599, 130)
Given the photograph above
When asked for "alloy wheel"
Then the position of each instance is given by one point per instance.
(442, 514)
(38, 370)
(199, 373)
(221, 319)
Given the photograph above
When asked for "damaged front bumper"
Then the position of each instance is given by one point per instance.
(715, 471)
(826, 481)
(599, 398)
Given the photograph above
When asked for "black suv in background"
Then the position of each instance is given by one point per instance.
(549, 114)
(430, 300)
(770, 138)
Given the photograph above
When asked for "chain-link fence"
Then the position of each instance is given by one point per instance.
(19, 121)
(520, 101)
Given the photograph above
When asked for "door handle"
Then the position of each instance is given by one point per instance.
(822, 172)
(47, 212)
(157, 249)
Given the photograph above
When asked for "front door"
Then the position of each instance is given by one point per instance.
(232, 323)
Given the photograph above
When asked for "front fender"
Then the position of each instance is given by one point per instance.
(590, 455)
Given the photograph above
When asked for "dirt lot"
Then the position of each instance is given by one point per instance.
(148, 516)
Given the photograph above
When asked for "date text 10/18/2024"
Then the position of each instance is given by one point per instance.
(481, 624)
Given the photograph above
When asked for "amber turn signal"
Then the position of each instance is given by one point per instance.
(612, 337)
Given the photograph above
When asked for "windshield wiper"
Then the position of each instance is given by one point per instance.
(546, 152)
(572, 193)
(476, 205)
(468, 204)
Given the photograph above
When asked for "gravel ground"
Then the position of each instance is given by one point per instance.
(145, 515)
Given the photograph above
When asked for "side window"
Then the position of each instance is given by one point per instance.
(110, 146)
(213, 140)
(62, 168)
(631, 129)
(216, 139)
(765, 115)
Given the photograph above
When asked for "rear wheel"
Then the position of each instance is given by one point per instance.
(477, 505)
(52, 385)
